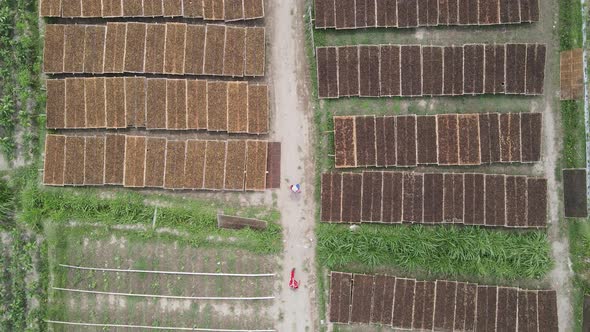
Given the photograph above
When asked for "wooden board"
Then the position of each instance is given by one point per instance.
(53, 50)
(75, 107)
(215, 165)
(195, 164)
(114, 56)
(234, 55)
(574, 193)
(135, 147)
(115, 159)
(255, 52)
(176, 113)
(258, 109)
(175, 162)
(56, 103)
(216, 106)
(155, 162)
(94, 161)
(115, 102)
(235, 165)
(196, 104)
(53, 171)
(74, 161)
(214, 49)
(74, 48)
(237, 107)
(195, 49)
(175, 48)
(156, 103)
(135, 101)
(94, 42)
(256, 152)
(155, 46)
(135, 47)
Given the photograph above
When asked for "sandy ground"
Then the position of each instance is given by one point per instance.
(291, 125)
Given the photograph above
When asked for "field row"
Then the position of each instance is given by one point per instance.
(439, 305)
(414, 70)
(155, 162)
(154, 103)
(443, 139)
(571, 72)
(215, 10)
(435, 198)
(171, 48)
(357, 14)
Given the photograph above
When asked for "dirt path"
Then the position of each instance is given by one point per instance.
(291, 125)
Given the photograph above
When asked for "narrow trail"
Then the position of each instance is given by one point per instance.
(291, 125)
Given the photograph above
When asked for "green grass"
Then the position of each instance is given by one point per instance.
(570, 24)
(574, 134)
(197, 218)
(440, 251)
(579, 235)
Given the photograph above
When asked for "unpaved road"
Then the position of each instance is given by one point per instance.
(291, 124)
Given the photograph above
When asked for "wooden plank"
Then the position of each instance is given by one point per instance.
(75, 106)
(233, 10)
(193, 8)
(574, 193)
(135, 47)
(115, 159)
(536, 202)
(213, 10)
(403, 303)
(175, 162)
(351, 197)
(411, 70)
(135, 147)
(362, 296)
(258, 109)
(155, 48)
(448, 139)
(407, 13)
(94, 43)
(469, 140)
(237, 107)
(235, 167)
(194, 169)
(507, 309)
(234, 55)
(95, 99)
(515, 68)
(173, 8)
(326, 197)
(114, 56)
(175, 48)
(433, 198)
(214, 49)
(255, 52)
(156, 103)
(216, 106)
(424, 305)
(50, 8)
(74, 161)
(155, 161)
(390, 77)
(94, 160)
(53, 50)
(197, 104)
(495, 202)
(231, 222)
(55, 104)
(55, 151)
(389, 125)
(176, 95)
(115, 102)
(427, 147)
(253, 9)
(135, 101)
(71, 8)
(74, 48)
(256, 152)
(547, 310)
(406, 140)
(153, 8)
(112, 8)
(133, 8)
(531, 124)
(273, 166)
(324, 14)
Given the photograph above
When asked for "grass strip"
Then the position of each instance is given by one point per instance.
(439, 250)
(197, 218)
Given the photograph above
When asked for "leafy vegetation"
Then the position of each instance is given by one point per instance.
(570, 24)
(445, 251)
(579, 234)
(7, 205)
(23, 282)
(21, 98)
(198, 219)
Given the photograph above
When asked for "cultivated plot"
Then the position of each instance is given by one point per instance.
(211, 10)
(156, 162)
(157, 103)
(439, 305)
(415, 70)
(443, 139)
(171, 48)
(350, 14)
(434, 198)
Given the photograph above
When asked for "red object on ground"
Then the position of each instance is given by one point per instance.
(292, 282)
